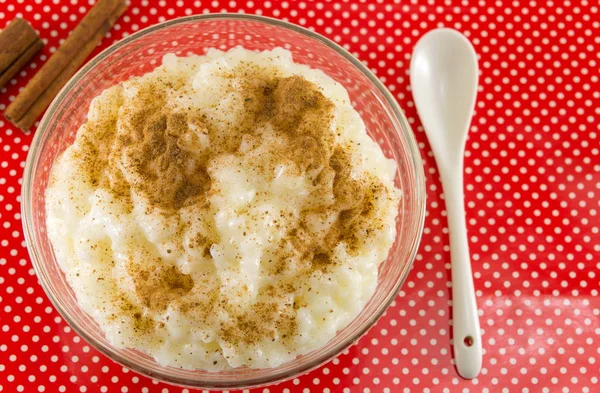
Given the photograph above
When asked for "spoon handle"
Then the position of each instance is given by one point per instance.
(466, 332)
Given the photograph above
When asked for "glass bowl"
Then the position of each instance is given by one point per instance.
(142, 52)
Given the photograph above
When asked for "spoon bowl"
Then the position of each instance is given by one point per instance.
(444, 76)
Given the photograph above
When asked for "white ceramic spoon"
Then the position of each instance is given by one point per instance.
(443, 77)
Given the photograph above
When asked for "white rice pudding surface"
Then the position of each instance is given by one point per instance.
(222, 211)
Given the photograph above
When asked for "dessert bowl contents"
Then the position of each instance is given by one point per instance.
(223, 211)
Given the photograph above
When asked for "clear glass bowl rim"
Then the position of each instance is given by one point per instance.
(301, 368)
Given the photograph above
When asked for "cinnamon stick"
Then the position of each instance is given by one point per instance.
(44, 86)
(18, 43)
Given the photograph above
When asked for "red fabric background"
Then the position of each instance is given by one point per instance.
(532, 189)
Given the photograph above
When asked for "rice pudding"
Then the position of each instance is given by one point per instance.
(223, 211)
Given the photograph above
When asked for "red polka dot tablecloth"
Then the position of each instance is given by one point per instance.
(532, 171)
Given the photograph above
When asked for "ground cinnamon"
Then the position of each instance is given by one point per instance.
(153, 151)
(18, 43)
(44, 86)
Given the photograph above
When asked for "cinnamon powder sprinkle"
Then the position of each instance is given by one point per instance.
(150, 152)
